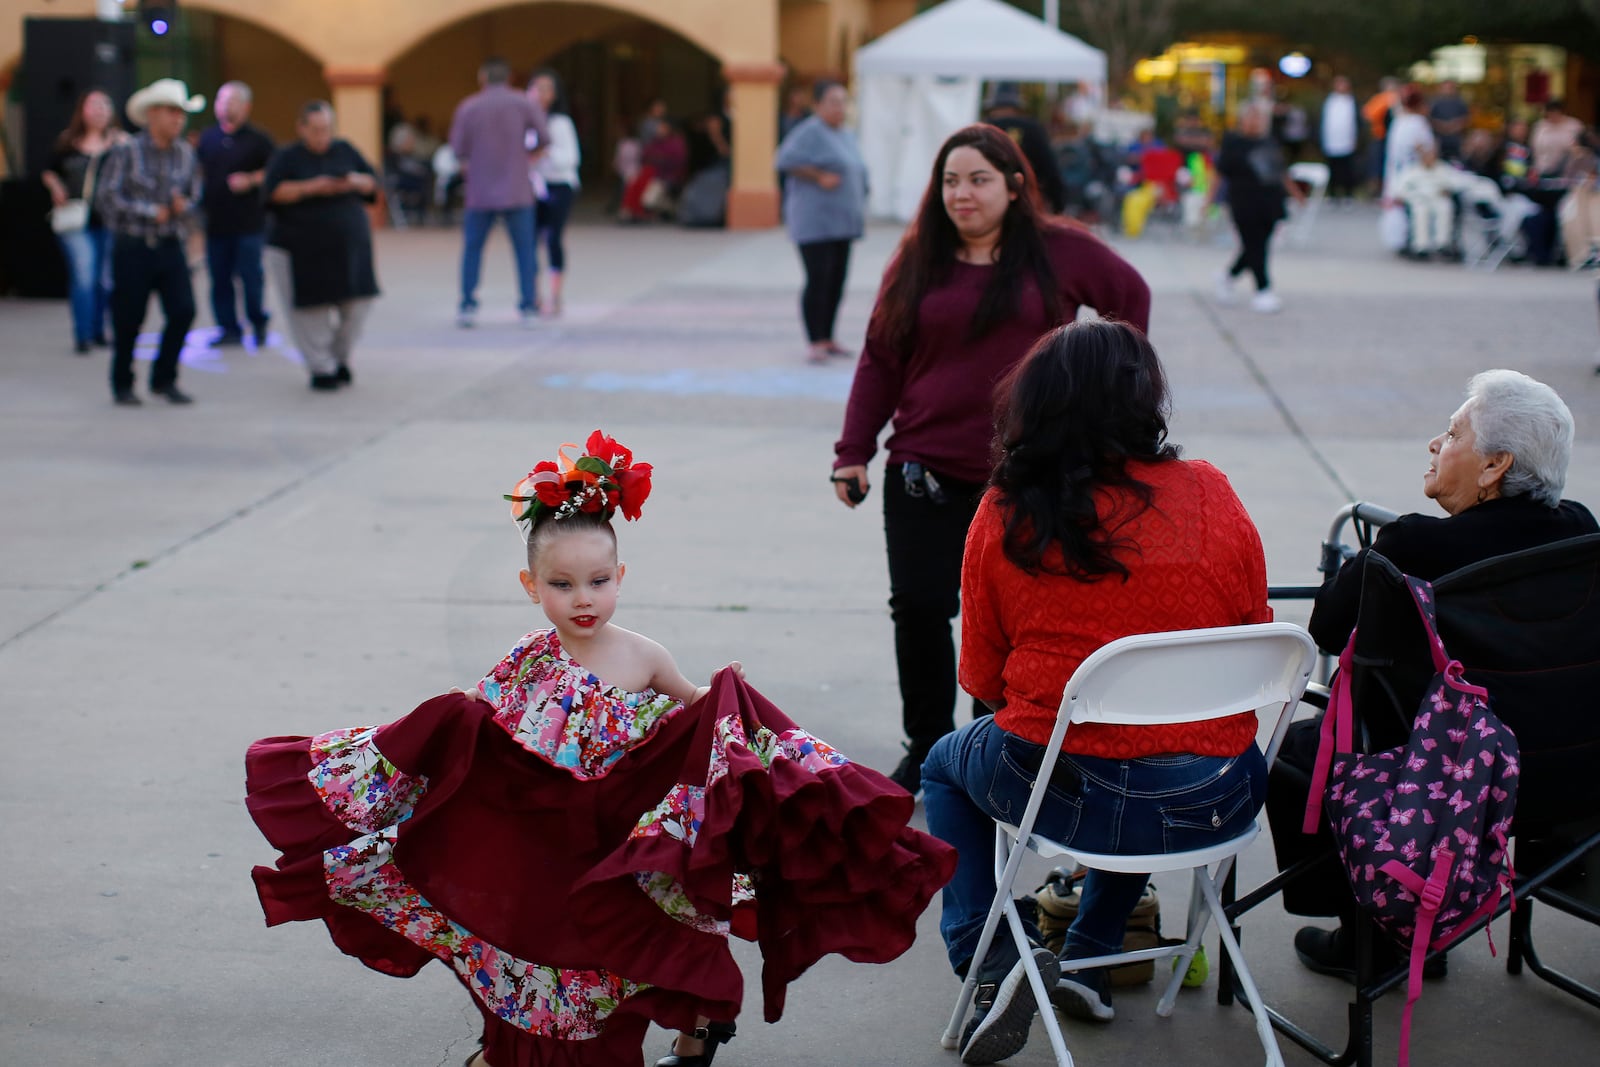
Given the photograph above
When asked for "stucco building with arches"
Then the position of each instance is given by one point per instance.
(419, 57)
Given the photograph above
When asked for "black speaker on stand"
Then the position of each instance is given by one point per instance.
(61, 60)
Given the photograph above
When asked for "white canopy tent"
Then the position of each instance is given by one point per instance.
(920, 82)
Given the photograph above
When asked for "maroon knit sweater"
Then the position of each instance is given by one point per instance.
(940, 393)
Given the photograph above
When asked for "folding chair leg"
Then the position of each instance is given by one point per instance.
(1007, 859)
(1521, 927)
(1269, 1040)
(1194, 933)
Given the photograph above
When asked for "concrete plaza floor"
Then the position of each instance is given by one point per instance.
(178, 582)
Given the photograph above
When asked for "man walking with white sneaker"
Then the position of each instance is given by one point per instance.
(148, 189)
(1253, 165)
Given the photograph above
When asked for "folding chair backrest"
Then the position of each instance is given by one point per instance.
(1313, 174)
(1192, 675)
(1526, 627)
(1485, 191)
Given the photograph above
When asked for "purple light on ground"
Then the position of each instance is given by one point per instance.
(159, 27)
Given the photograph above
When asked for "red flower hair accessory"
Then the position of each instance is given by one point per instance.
(603, 480)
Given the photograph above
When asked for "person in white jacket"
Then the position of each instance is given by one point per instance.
(1407, 134)
(1427, 188)
(555, 182)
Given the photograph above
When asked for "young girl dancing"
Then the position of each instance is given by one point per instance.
(579, 850)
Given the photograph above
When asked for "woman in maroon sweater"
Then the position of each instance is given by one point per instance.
(979, 276)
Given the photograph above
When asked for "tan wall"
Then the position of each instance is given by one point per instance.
(804, 37)
(817, 37)
(433, 77)
(887, 14)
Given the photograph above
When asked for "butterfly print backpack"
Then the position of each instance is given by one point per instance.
(1422, 829)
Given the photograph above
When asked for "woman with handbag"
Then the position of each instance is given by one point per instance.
(84, 239)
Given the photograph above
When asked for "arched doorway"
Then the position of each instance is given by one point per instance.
(207, 48)
(613, 62)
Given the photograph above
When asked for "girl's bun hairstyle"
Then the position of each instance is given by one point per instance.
(602, 481)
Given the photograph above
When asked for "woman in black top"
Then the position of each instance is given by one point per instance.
(1252, 164)
(1498, 471)
(69, 177)
(320, 243)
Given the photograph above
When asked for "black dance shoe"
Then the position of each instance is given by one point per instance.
(1333, 953)
(713, 1034)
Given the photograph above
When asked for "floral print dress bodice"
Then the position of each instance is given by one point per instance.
(556, 709)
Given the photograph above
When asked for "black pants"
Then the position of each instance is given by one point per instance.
(139, 268)
(827, 262)
(926, 540)
(1322, 891)
(1255, 234)
(1342, 176)
(550, 223)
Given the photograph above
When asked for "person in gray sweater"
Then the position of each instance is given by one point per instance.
(824, 207)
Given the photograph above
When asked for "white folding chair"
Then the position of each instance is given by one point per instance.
(1315, 176)
(1145, 680)
(1495, 223)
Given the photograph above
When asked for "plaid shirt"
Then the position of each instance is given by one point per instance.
(137, 179)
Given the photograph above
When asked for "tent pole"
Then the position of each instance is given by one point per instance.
(1052, 14)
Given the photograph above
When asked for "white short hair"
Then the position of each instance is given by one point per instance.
(1516, 414)
(238, 87)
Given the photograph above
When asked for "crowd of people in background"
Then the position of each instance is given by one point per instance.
(1448, 177)
(125, 207)
(1428, 156)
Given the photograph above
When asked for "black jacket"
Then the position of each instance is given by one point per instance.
(1429, 547)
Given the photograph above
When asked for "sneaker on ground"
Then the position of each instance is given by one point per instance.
(467, 318)
(530, 318)
(1266, 302)
(908, 774)
(1003, 1011)
(1224, 290)
(1084, 995)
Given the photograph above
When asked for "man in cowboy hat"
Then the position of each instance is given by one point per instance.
(148, 190)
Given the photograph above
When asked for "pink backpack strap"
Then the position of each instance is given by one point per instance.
(1337, 735)
(1430, 894)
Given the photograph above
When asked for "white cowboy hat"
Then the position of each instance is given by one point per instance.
(167, 92)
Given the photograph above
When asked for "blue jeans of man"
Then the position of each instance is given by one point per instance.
(1166, 803)
(89, 281)
(237, 254)
(475, 226)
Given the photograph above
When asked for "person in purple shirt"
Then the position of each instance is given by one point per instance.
(495, 134)
(982, 272)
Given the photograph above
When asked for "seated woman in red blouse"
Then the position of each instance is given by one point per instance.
(1093, 529)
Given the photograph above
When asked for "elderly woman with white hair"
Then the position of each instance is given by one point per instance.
(1498, 471)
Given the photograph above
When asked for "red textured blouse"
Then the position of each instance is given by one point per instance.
(1199, 563)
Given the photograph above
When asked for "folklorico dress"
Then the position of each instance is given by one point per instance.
(579, 854)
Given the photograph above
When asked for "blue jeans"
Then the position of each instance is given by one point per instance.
(89, 281)
(237, 254)
(475, 227)
(1167, 803)
(550, 223)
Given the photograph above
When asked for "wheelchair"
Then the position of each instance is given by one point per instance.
(1527, 627)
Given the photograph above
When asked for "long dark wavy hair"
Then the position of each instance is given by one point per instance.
(1088, 398)
(927, 252)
